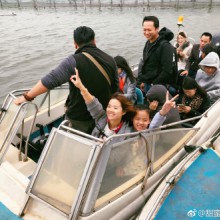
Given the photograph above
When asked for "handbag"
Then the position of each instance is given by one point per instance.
(98, 66)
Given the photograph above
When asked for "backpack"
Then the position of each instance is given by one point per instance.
(174, 63)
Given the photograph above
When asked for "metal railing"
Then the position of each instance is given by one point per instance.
(13, 118)
(12, 126)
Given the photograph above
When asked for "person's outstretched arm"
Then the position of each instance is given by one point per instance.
(160, 116)
(38, 89)
(56, 77)
(93, 105)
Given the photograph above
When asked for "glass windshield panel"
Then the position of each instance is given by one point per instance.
(127, 160)
(170, 142)
(62, 169)
(6, 123)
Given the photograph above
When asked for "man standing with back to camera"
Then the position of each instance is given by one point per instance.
(91, 76)
(159, 64)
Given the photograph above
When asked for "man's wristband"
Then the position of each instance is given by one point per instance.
(28, 98)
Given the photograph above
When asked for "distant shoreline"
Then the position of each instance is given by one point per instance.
(138, 4)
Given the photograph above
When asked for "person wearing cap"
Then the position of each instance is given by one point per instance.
(194, 101)
(127, 81)
(91, 76)
(195, 55)
(156, 97)
(208, 76)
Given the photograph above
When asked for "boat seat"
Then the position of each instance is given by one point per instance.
(36, 142)
(38, 139)
(42, 138)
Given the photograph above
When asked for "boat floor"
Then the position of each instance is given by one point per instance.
(196, 193)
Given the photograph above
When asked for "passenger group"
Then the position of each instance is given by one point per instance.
(174, 82)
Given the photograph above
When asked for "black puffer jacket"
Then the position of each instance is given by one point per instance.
(159, 60)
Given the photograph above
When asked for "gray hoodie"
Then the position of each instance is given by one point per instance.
(211, 83)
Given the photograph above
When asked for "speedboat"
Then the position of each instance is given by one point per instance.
(50, 171)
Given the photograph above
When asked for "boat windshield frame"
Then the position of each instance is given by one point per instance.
(94, 170)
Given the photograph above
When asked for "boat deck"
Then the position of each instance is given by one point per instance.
(190, 198)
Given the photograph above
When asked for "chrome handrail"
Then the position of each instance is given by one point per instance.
(29, 134)
(22, 106)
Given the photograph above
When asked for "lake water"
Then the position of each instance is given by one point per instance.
(33, 42)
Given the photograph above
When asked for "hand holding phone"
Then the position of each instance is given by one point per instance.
(181, 108)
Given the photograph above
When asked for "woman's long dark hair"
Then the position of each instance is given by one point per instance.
(122, 63)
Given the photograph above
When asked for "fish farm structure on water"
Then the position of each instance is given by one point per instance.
(146, 4)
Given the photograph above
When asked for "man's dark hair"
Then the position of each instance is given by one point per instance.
(83, 35)
(207, 34)
(154, 19)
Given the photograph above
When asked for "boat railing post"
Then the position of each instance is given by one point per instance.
(177, 2)
(21, 141)
(18, 4)
(8, 134)
(35, 4)
(84, 4)
(210, 5)
(29, 134)
(54, 4)
(143, 3)
(99, 5)
(49, 101)
(75, 5)
(4, 107)
(153, 152)
(149, 167)
(136, 3)
(148, 4)
(193, 3)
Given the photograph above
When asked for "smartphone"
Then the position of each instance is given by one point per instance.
(180, 105)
